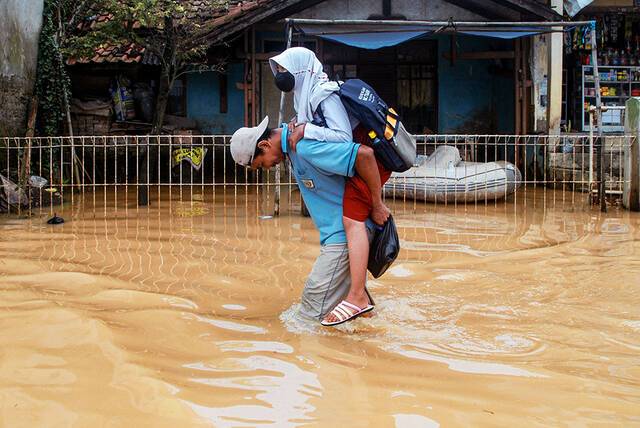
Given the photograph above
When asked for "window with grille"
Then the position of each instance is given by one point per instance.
(405, 76)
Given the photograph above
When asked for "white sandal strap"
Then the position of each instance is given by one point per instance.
(351, 305)
(345, 310)
(341, 313)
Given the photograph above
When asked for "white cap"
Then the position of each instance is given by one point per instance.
(244, 142)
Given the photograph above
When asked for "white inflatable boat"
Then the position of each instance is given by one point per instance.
(444, 177)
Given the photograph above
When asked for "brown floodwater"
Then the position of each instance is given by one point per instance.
(524, 313)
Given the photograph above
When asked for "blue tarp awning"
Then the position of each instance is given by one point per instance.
(376, 36)
(504, 32)
(366, 36)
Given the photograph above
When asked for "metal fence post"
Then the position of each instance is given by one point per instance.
(600, 145)
(142, 176)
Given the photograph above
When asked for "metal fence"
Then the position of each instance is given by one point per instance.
(127, 169)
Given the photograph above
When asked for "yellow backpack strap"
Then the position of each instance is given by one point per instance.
(392, 123)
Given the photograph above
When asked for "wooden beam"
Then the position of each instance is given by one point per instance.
(526, 88)
(226, 30)
(480, 55)
(386, 8)
(532, 7)
(453, 49)
(259, 56)
(631, 192)
(245, 78)
(25, 164)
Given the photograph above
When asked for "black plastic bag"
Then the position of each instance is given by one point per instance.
(384, 248)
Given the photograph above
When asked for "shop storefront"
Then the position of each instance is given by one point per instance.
(618, 43)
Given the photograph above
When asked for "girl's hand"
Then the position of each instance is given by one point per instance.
(296, 133)
(380, 213)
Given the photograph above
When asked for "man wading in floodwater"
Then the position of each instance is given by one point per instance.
(321, 169)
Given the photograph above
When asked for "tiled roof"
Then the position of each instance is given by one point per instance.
(238, 8)
(206, 9)
(224, 24)
(93, 21)
(213, 14)
(194, 9)
(130, 53)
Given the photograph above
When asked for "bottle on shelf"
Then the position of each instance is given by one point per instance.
(627, 53)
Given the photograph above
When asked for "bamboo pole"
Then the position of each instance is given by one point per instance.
(246, 79)
(25, 166)
(74, 166)
(276, 205)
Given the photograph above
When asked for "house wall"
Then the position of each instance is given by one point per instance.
(416, 10)
(203, 101)
(20, 23)
(471, 97)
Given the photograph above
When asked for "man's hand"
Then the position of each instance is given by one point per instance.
(380, 213)
(296, 133)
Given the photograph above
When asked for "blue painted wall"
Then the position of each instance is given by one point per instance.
(470, 97)
(203, 101)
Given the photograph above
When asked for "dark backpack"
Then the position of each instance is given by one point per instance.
(394, 147)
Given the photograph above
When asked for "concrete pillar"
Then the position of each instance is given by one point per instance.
(631, 190)
(539, 77)
(20, 23)
(554, 111)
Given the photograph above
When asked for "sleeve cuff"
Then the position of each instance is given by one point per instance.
(351, 168)
(311, 132)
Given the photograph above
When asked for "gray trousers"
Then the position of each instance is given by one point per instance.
(329, 281)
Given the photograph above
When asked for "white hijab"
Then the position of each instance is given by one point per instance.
(312, 84)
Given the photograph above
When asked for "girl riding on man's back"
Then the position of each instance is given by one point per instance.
(321, 116)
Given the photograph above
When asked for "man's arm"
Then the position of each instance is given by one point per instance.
(367, 169)
(348, 159)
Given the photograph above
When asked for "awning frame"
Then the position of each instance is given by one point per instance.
(450, 23)
(452, 27)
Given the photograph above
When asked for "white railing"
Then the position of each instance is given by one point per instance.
(170, 166)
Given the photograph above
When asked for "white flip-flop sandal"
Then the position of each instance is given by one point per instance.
(345, 312)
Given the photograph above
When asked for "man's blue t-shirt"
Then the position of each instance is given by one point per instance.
(321, 169)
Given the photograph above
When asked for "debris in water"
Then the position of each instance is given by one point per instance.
(55, 219)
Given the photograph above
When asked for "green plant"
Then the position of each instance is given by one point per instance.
(163, 27)
(52, 81)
